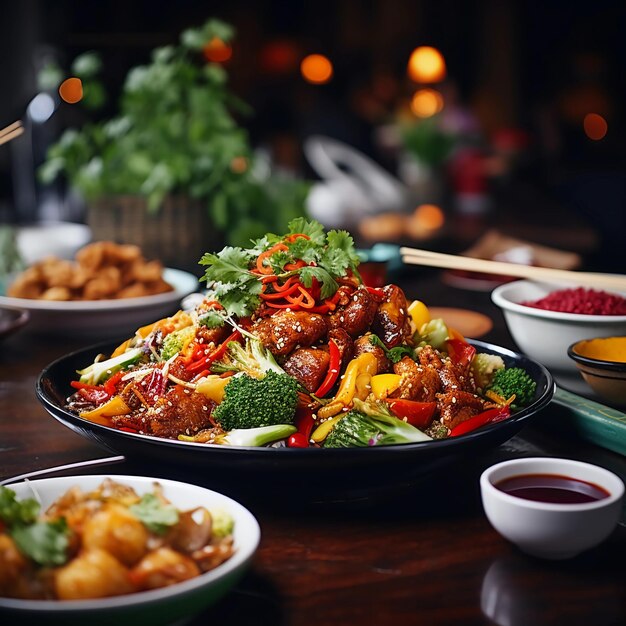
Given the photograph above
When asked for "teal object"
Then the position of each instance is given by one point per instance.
(595, 422)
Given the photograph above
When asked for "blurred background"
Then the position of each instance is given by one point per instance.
(408, 121)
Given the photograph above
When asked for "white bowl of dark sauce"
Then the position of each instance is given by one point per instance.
(552, 508)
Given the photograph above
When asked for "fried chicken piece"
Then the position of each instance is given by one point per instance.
(428, 356)
(308, 366)
(417, 382)
(180, 411)
(391, 322)
(286, 330)
(363, 344)
(56, 294)
(456, 406)
(357, 315)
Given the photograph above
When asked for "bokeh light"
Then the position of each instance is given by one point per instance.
(426, 65)
(426, 103)
(217, 51)
(316, 69)
(430, 216)
(239, 165)
(595, 126)
(71, 90)
(41, 108)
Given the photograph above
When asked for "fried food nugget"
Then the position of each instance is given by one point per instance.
(103, 270)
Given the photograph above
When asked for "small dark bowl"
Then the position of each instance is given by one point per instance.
(321, 474)
(12, 319)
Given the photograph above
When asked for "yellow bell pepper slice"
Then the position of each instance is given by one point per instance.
(384, 384)
(323, 430)
(362, 368)
(419, 313)
(121, 348)
(113, 406)
(212, 387)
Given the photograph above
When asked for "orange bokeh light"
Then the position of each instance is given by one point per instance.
(239, 165)
(316, 69)
(217, 51)
(426, 65)
(430, 216)
(595, 126)
(426, 102)
(71, 90)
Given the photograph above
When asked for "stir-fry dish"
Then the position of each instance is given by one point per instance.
(104, 543)
(290, 348)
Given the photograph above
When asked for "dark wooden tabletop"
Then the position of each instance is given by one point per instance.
(428, 555)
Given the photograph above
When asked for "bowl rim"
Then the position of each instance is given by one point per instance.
(500, 298)
(600, 364)
(140, 598)
(559, 465)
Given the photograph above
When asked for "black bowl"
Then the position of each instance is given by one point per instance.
(352, 473)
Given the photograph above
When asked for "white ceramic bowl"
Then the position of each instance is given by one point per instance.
(60, 239)
(544, 335)
(160, 606)
(551, 530)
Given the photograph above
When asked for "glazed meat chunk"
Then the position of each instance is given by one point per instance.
(456, 406)
(357, 315)
(308, 366)
(344, 343)
(286, 330)
(417, 382)
(391, 320)
(363, 344)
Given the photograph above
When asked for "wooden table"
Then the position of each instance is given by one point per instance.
(427, 556)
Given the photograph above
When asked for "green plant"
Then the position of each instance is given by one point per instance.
(428, 143)
(175, 132)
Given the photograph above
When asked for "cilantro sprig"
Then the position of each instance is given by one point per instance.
(154, 514)
(45, 542)
(328, 257)
(393, 354)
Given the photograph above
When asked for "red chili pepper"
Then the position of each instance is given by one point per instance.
(375, 291)
(490, 416)
(304, 422)
(94, 396)
(78, 385)
(322, 309)
(281, 294)
(418, 414)
(460, 352)
(218, 353)
(333, 369)
(111, 383)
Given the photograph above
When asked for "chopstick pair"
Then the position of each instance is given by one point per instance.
(414, 256)
(11, 132)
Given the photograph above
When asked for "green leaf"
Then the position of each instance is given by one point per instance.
(14, 511)
(155, 515)
(229, 265)
(329, 284)
(86, 65)
(45, 543)
(311, 228)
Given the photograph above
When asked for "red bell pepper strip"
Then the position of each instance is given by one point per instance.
(460, 352)
(304, 422)
(78, 385)
(333, 369)
(218, 353)
(281, 294)
(418, 414)
(111, 383)
(490, 416)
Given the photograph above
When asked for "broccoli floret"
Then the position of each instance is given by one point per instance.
(175, 342)
(358, 429)
(484, 366)
(254, 359)
(251, 402)
(514, 380)
(255, 437)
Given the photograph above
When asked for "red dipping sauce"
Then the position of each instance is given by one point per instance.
(552, 488)
(582, 301)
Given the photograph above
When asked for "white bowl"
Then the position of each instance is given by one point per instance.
(160, 606)
(551, 530)
(544, 335)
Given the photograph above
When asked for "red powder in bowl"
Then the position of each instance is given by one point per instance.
(582, 301)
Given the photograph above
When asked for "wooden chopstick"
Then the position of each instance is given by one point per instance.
(413, 256)
(11, 132)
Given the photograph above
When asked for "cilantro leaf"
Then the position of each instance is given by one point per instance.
(154, 514)
(45, 543)
(312, 229)
(212, 319)
(13, 511)
(393, 354)
(328, 283)
(229, 265)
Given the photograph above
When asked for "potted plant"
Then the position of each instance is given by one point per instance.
(173, 171)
